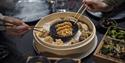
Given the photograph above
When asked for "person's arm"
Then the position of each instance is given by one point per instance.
(102, 5)
(114, 2)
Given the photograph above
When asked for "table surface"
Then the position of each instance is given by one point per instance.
(23, 47)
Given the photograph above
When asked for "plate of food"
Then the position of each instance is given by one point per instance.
(64, 29)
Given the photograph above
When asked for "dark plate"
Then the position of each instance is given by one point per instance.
(54, 34)
(104, 24)
(38, 59)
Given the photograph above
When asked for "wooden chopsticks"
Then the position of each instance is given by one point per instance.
(11, 25)
(30, 27)
(81, 12)
(36, 28)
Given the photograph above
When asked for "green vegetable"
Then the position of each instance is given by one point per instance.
(117, 33)
(105, 50)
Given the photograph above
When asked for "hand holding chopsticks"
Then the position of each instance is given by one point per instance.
(14, 26)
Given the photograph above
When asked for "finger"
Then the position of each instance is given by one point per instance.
(13, 20)
(16, 22)
(8, 24)
(83, 1)
(23, 27)
(11, 28)
(21, 33)
(90, 4)
(27, 27)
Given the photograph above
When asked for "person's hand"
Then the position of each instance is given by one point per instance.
(97, 5)
(18, 27)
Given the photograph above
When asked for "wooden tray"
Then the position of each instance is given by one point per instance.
(101, 58)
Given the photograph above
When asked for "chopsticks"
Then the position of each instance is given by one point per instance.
(8, 24)
(81, 12)
(30, 27)
(36, 28)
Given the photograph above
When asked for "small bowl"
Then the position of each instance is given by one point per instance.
(38, 59)
(106, 23)
(66, 60)
(54, 34)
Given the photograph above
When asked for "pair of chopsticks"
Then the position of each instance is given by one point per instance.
(11, 25)
(31, 27)
(80, 10)
(36, 28)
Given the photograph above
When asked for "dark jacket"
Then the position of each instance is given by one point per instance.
(114, 2)
(118, 11)
(9, 4)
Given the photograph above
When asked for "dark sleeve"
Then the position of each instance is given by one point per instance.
(2, 28)
(114, 2)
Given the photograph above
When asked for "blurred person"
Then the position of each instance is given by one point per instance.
(114, 9)
(17, 27)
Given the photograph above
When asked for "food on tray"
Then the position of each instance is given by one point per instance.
(83, 27)
(117, 33)
(84, 35)
(64, 29)
(105, 23)
(70, 19)
(63, 24)
(58, 42)
(73, 41)
(113, 48)
(48, 39)
(43, 33)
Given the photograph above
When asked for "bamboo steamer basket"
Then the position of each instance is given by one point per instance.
(79, 47)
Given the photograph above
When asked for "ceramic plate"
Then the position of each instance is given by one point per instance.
(31, 10)
(120, 15)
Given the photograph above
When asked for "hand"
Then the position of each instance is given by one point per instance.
(97, 5)
(18, 27)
